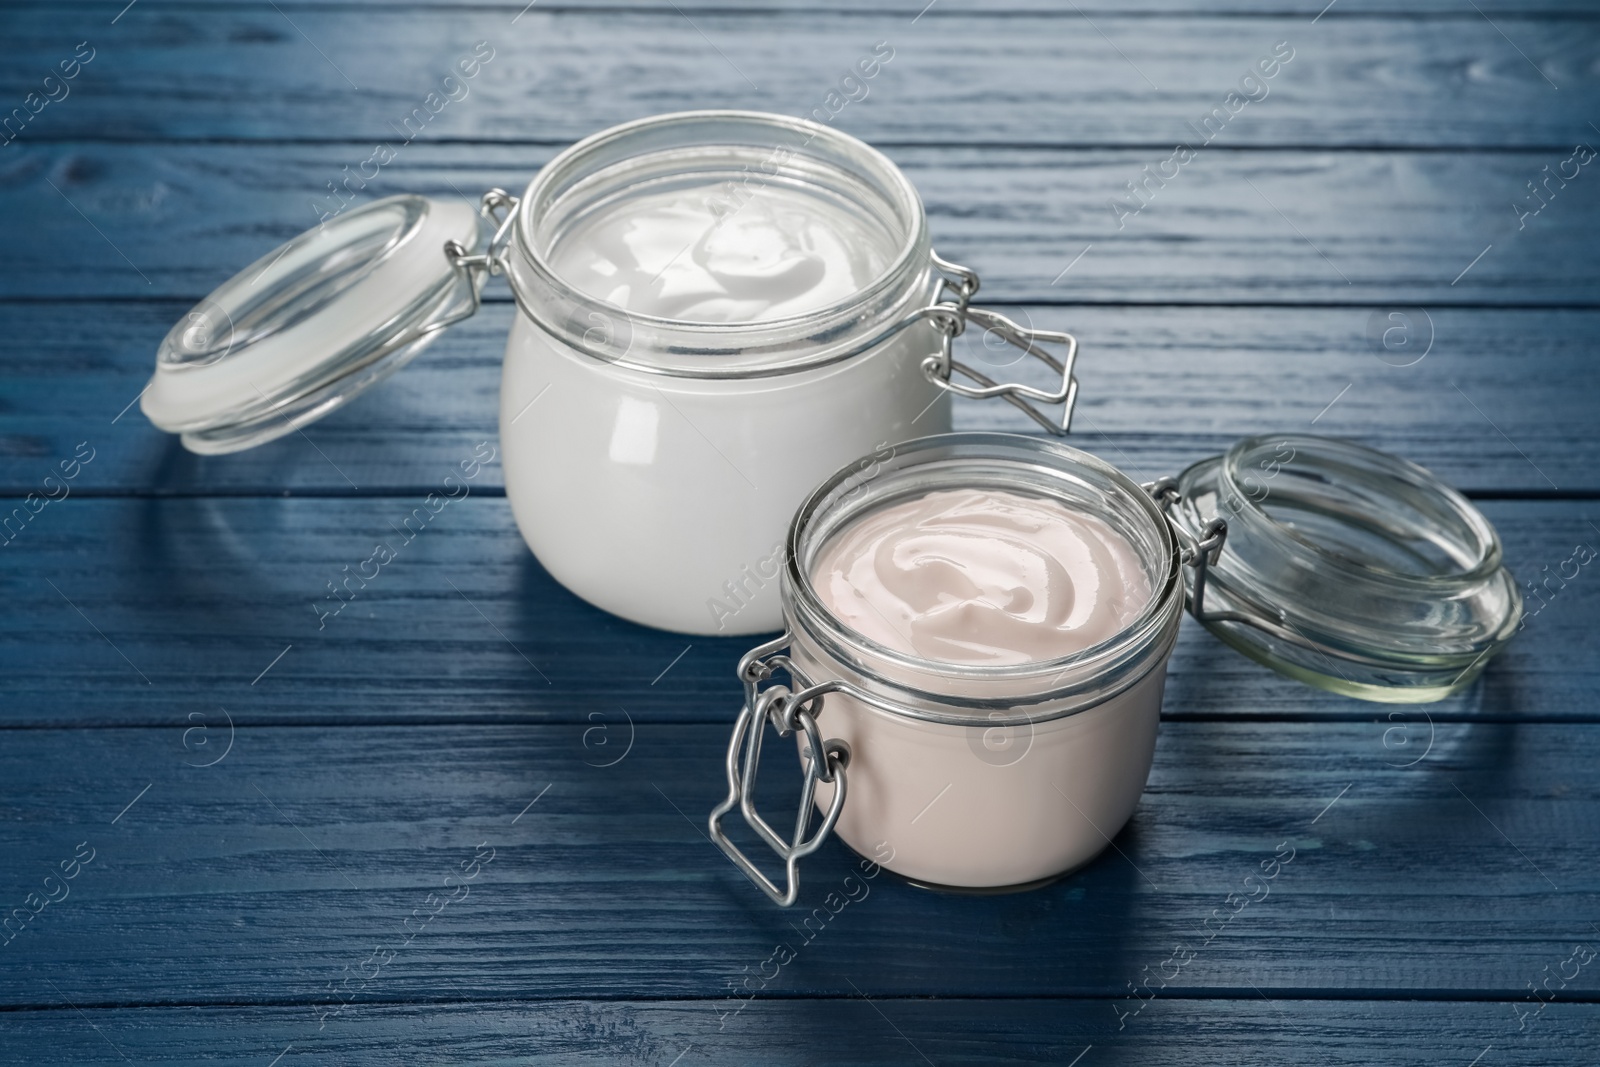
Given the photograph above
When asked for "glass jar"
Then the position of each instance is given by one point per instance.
(656, 478)
(651, 461)
(1344, 567)
(971, 776)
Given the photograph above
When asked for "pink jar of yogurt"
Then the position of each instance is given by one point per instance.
(995, 722)
(978, 629)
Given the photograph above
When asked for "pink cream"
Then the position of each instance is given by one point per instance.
(982, 577)
(986, 578)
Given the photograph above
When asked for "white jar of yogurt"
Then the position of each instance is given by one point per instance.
(717, 309)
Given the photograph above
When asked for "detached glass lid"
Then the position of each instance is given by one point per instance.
(1344, 567)
(313, 323)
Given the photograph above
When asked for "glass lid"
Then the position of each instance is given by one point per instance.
(313, 323)
(1345, 567)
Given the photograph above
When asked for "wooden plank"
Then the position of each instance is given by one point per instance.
(1161, 387)
(1444, 863)
(1304, 10)
(273, 873)
(1182, 1033)
(1291, 227)
(964, 76)
(144, 610)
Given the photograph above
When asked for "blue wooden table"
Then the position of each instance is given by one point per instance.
(226, 829)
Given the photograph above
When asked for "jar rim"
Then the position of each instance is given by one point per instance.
(532, 276)
(1127, 651)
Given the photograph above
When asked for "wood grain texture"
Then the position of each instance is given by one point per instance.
(1304, 10)
(1161, 387)
(184, 602)
(1290, 227)
(1171, 1033)
(268, 801)
(959, 75)
(263, 877)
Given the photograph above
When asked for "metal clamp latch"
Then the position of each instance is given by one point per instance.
(823, 762)
(1200, 553)
(950, 318)
(499, 208)
(1197, 552)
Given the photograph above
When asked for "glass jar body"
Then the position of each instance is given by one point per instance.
(664, 500)
(653, 464)
(990, 806)
(979, 777)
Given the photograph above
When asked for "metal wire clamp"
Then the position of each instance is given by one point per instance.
(499, 208)
(822, 762)
(950, 317)
(949, 314)
(1200, 554)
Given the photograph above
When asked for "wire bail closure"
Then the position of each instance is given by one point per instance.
(1197, 552)
(950, 318)
(499, 208)
(1200, 553)
(787, 712)
(950, 313)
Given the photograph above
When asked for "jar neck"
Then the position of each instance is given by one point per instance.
(730, 157)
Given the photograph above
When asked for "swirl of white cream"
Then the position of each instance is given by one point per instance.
(681, 256)
(982, 577)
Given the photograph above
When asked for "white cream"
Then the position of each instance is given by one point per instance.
(697, 255)
(982, 577)
(653, 496)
